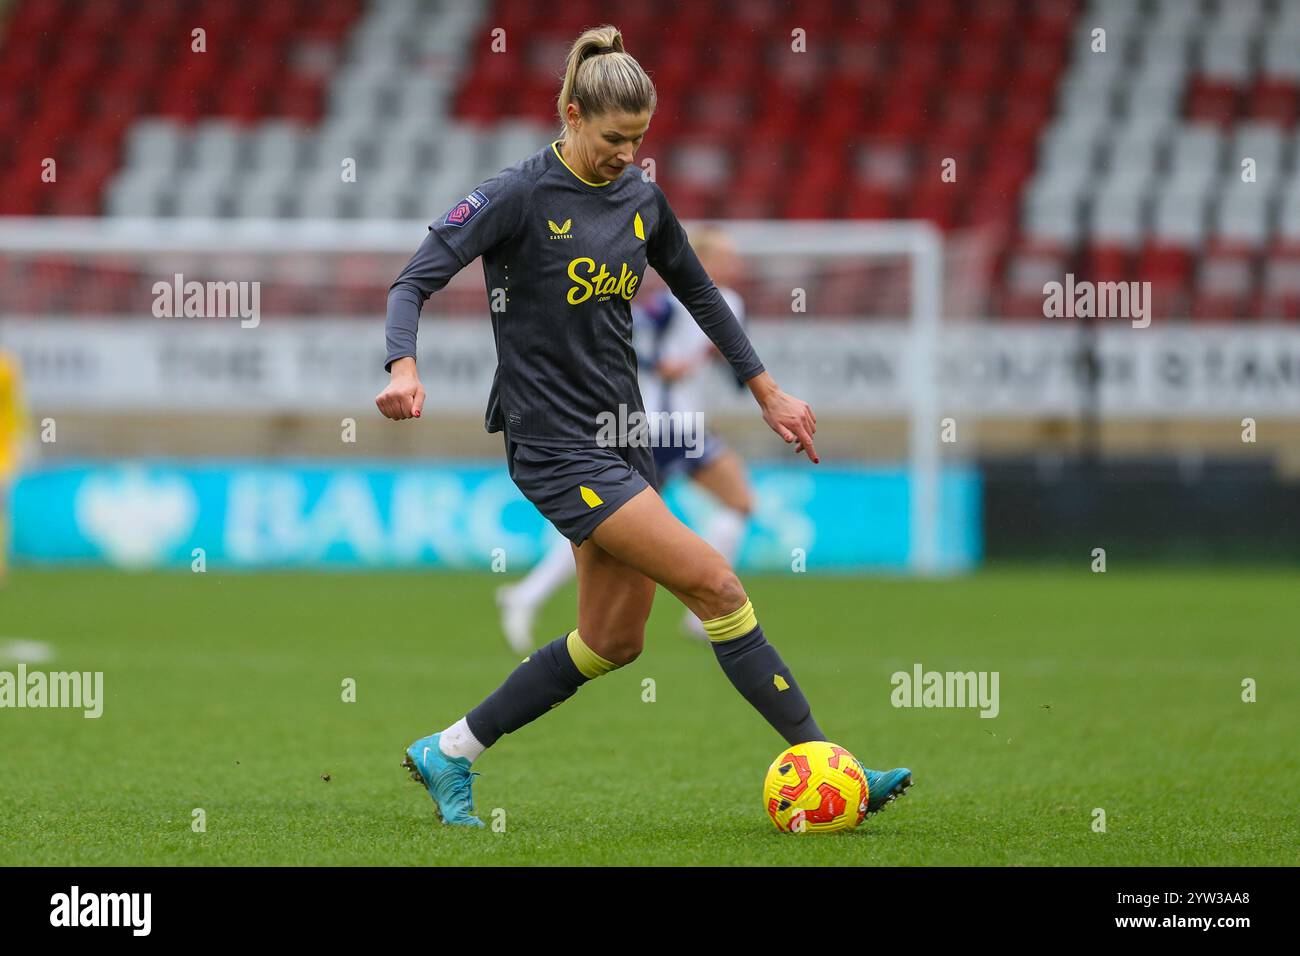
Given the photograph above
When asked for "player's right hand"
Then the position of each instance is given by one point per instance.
(404, 396)
(793, 419)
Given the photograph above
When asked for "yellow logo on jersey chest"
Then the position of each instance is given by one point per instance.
(602, 283)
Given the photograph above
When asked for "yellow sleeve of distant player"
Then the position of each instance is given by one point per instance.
(12, 415)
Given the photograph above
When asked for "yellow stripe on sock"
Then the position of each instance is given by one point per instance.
(589, 663)
(736, 624)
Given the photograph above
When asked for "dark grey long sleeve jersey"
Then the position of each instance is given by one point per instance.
(564, 257)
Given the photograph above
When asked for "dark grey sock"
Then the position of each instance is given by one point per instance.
(546, 678)
(757, 671)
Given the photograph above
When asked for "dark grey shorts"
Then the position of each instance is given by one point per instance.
(576, 489)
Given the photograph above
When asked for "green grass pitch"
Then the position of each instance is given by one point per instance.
(223, 692)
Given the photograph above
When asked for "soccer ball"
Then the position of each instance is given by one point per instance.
(815, 787)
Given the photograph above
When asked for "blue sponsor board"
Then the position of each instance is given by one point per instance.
(380, 515)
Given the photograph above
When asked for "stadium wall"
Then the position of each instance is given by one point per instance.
(1188, 509)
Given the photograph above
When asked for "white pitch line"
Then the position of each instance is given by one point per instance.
(23, 651)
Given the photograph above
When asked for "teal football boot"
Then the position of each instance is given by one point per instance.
(885, 786)
(448, 780)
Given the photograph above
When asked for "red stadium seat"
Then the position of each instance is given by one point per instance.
(1274, 101)
(1226, 282)
(1280, 292)
(1028, 268)
(1212, 102)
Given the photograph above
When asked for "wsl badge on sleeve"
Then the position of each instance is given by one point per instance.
(466, 209)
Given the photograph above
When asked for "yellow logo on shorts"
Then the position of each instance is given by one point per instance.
(590, 497)
(779, 682)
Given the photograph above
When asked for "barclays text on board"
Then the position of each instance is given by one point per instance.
(253, 515)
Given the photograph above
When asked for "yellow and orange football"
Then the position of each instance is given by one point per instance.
(815, 787)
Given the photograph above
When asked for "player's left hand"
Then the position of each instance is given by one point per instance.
(793, 419)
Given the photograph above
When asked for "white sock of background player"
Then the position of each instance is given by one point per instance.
(723, 531)
(546, 577)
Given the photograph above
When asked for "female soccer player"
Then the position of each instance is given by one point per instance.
(565, 236)
(674, 355)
